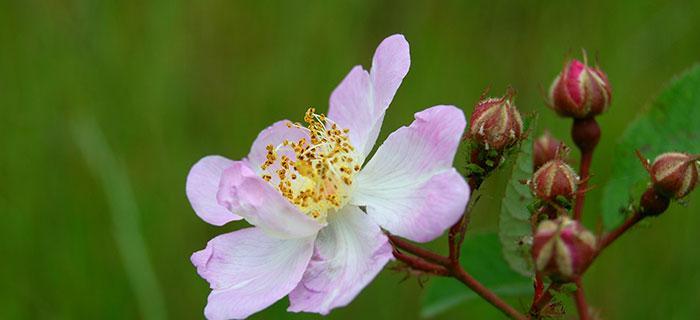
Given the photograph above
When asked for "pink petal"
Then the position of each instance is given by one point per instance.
(360, 100)
(348, 255)
(274, 135)
(244, 192)
(409, 186)
(248, 271)
(202, 186)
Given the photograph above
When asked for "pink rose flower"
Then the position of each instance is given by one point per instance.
(317, 207)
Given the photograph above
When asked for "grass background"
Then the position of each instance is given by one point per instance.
(105, 105)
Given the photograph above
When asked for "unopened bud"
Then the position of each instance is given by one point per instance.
(674, 174)
(496, 123)
(580, 91)
(546, 148)
(555, 180)
(562, 248)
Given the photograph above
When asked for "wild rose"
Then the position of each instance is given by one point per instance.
(316, 207)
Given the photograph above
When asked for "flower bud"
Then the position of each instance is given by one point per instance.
(546, 148)
(496, 123)
(674, 174)
(580, 91)
(554, 180)
(562, 248)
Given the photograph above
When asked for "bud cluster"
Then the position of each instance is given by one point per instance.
(562, 249)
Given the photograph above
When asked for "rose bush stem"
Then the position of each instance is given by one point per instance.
(460, 274)
(543, 299)
(586, 134)
(418, 251)
(455, 236)
(586, 159)
(609, 238)
(580, 298)
(451, 269)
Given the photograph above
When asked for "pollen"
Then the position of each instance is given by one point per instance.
(314, 173)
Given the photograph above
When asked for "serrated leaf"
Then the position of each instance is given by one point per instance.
(514, 229)
(481, 257)
(671, 124)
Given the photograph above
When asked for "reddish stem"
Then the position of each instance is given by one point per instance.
(586, 134)
(418, 251)
(580, 298)
(455, 236)
(539, 288)
(586, 159)
(452, 269)
(543, 300)
(460, 274)
(419, 264)
(609, 238)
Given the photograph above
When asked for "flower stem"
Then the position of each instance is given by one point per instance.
(418, 251)
(443, 266)
(455, 236)
(609, 238)
(586, 134)
(419, 264)
(580, 298)
(460, 274)
(543, 300)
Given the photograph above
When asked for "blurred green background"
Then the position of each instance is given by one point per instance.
(97, 225)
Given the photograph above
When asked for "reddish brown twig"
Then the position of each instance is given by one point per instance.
(543, 300)
(420, 264)
(586, 134)
(446, 267)
(580, 298)
(417, 251)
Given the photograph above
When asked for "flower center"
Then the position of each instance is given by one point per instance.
(314, 175)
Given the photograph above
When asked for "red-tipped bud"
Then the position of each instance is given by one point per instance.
(546, 148)
(496, 123)
(674, 174)
(580, 91)
(562, 248)
(554, 180)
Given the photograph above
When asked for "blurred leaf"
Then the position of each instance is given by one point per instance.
(672, 124)
(514, 229)
(481, 257)
(125, 216)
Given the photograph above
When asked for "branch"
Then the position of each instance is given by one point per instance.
(543, 300)
(418, 251)
(419, 264)
(460, 274)
(580, 298)
(586, 134)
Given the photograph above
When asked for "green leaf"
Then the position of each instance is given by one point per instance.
(671, 124)
(514, 228)
(481, 257)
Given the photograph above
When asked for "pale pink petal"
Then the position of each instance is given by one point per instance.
(202, 186)
(242, 191)
(248, 271)
(274, 135)
(360, 100)
(348, 254)
(410, 187)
